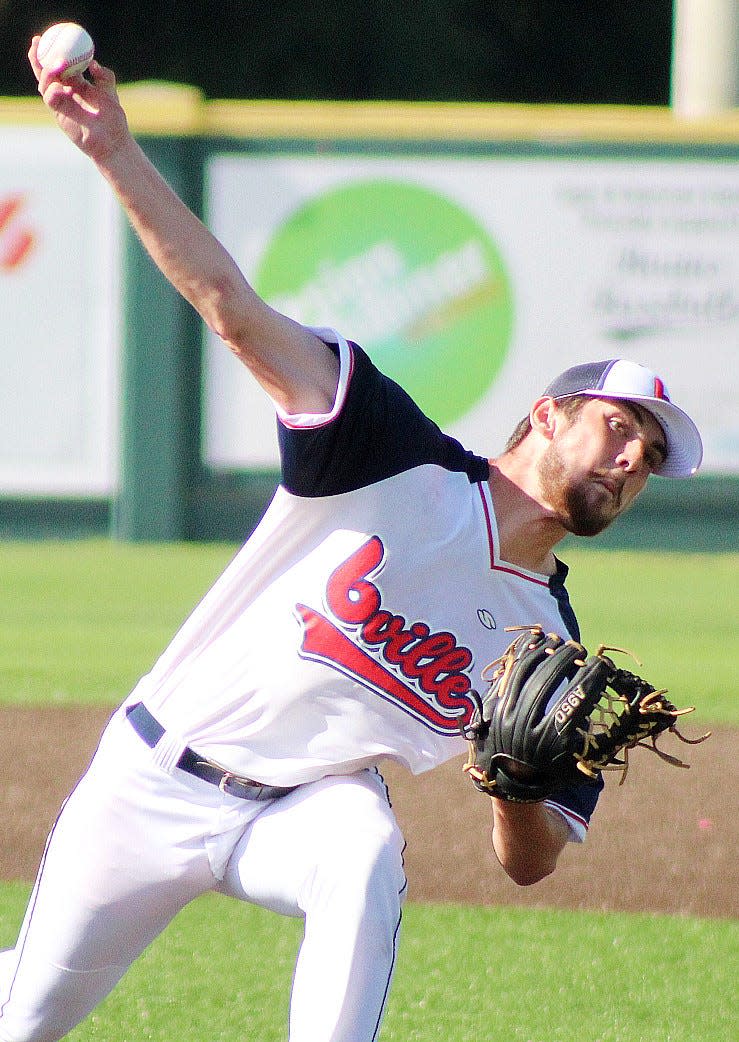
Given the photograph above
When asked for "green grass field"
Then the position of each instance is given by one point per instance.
(222, 972)
(79, 622)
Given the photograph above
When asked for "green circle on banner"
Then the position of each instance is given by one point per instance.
(407, 274)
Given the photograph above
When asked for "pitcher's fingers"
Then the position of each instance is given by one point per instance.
(33, 57)
(102, 76)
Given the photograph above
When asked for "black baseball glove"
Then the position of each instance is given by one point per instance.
(555, 716)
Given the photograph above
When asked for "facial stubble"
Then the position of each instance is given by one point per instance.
(569, 499)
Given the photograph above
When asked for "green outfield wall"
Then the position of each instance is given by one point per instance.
(169, 483)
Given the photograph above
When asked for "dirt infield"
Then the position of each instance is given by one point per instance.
(666, 841)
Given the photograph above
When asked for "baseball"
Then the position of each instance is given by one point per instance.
(66, 48)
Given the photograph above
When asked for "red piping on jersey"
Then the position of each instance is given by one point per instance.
(491, 542)
(569, 813)
(330, 417)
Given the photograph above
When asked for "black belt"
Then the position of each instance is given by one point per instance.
(151, 731)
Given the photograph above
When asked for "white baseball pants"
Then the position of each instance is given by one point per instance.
(134, 844)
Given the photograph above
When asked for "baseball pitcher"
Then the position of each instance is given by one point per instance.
(353, 627)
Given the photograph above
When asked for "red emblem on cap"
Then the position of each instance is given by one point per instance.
(659, 390)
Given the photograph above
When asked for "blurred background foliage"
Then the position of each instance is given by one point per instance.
(565, 51)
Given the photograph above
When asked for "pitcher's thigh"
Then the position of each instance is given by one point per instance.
(339, 829)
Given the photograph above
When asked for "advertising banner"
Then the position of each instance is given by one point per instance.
(473, 281)
(59, 259)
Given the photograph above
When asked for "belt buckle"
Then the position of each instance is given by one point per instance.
(230, 784)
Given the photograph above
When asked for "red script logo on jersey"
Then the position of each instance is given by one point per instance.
(421, 671)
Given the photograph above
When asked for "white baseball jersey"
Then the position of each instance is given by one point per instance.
(357, 617)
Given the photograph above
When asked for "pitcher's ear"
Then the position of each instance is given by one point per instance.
(543, 416)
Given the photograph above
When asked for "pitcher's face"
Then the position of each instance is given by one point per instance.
(598, 462)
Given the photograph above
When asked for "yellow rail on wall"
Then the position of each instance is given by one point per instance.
(165, 108)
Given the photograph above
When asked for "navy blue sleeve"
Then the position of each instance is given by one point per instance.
(580, 799)
(379, 432)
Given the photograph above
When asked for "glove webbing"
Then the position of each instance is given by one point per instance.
(617, 725)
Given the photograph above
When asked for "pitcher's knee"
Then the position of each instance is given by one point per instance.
(365, 877)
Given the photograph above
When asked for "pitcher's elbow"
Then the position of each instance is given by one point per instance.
(528, 875)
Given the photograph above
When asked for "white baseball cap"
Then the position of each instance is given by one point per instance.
(631, 382)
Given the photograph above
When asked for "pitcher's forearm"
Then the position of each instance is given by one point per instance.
(180, 245)
(528, 839)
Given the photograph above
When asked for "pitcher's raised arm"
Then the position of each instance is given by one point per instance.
(294, 366)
